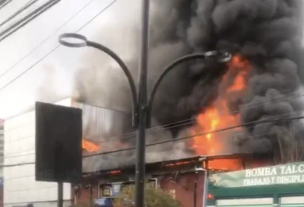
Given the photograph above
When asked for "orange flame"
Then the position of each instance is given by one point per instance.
(218, 115)
(89, 146)
(177, 164)
(114, 172)
(225, 164)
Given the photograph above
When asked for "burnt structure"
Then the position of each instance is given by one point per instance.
(265, 37)
(177, 177)
(184, 179)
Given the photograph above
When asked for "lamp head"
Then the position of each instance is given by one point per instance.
(73, 40)
(219, 56)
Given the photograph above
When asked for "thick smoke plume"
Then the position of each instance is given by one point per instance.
(267, 33)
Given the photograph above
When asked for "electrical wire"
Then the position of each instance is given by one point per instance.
(57, 47)
(19, 164)
(51, 51)
(179, 138)
(26, 6)
(5, 3)
(200, 134)
(46, 39)
(154, 127)
(83, 26)
(124, 137)
(28, 18)
(20, 155)
(193, 120)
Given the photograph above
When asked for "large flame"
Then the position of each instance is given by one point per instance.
(218, 115)
(89, 146)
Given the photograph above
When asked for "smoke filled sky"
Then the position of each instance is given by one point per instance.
(267, 33)
(53, 78)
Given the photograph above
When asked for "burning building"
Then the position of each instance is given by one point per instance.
(252, 105)
(222, 109)
(202, 110)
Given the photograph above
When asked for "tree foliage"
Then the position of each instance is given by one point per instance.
(154, 197)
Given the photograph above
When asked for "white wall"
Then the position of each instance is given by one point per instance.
(1, 148)
(19, 147)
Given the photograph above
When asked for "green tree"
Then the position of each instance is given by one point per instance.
(154, 197)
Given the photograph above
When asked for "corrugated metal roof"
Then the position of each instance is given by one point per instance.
(101, 124)
(104, 127)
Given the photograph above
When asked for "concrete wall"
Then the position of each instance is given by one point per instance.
(1, 148)
(19, 173)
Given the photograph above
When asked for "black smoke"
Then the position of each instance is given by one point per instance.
(267, 33)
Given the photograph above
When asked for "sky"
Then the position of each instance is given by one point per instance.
(53, 76)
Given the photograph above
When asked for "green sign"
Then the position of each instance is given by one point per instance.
(253, 205)
(276, 175)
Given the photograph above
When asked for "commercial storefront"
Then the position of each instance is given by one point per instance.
(183, 179)
(281, 185)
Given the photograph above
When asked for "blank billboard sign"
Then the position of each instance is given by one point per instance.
(58, 143)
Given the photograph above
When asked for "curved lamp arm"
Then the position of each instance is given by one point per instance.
(221, 57)
(83, 42)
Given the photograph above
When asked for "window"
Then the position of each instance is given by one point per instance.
(105, 190)
(246, 202)
(292, 201)
(116, 187)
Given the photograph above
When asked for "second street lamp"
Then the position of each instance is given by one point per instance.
(143, 122)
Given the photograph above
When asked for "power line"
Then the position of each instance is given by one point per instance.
(149, 130)
(28, 18)
(31, 67)
(19, 164)
(179, 138)
(26, 6)
(59, 45)
(5, 3)
(192, 120)
(26, 153)
(28, 54)
(154, 130)
(276, 99)
(200, 134)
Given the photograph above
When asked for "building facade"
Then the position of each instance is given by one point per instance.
(182, 179)
(1, 160)
(19, 153)
(1, 146)
(280, 185)
(19, 160)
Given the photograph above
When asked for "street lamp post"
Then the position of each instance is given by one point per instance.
(141, 110)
